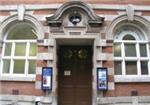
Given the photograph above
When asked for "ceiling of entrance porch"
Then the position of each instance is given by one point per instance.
(75, 41)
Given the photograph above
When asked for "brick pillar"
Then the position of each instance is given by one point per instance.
(109, 63)
(45, 58)
(40, 62)
(105, 57)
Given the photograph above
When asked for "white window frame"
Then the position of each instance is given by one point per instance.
(12, 76)
(138, 77)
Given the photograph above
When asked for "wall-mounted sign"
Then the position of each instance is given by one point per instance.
(47, 78)
(67, 73)
(102, 83)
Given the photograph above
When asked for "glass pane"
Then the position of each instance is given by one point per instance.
(117, 50)
(67, 54)
(6, 66)
(144, 67)
(128, 37)
(118, 68)
(22, 31)
(20, 49)
(131, 67)
(143, 51)
(19, 66)
(32, 65)
(8, 49)
(130, 50)
(33, 49)
(83, 54)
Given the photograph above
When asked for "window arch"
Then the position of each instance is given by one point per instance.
(129, 29)
(10, 21)
(19, 49)
(22, 30)
(131, 51)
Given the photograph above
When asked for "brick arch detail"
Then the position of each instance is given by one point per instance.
(30, 19)
(141, 22)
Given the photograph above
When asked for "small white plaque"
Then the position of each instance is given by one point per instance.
(67, 73)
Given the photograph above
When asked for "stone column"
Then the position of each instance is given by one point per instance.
(1, 45)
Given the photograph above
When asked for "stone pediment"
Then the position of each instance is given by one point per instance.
(74, 14)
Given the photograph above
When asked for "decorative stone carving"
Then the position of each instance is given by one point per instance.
(56, 19)
(21, 12)
(130, 12)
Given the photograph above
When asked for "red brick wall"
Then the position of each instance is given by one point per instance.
(107, 49)
(38, 77)
(124, 89)
(44, 12)
(46, 35)
(146, 13)
(41, 63)
(42, 49)
(28, 88)
(108, 64)
(24, 88)
(110, 12)
(6, 13)
(109, 93)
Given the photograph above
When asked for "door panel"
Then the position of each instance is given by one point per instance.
(74, 75)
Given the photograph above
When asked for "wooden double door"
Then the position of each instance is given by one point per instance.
(75, 75)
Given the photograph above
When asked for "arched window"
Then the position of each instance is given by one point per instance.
(131, 51)
(19, 50)
(128, 37)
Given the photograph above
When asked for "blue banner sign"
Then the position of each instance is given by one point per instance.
(102, 82)
(47, 78)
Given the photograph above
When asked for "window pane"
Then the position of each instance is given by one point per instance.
(117, 50)
(22, 31)
(143, 51)
(144, 67)
(130, 50)
(32, 65)
(8, 49)
(128, 37)
(67, 54)
(83, 54)
(131, 67)
(6, 66)
(33, 49)
(20, 49)
(118, 68)
(19, 66)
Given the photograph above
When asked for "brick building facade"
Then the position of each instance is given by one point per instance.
(34, 33)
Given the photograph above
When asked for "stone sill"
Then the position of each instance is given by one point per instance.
(119, 79)
(18, 78)
(125, 100)
(104, 56)
(24, 99)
